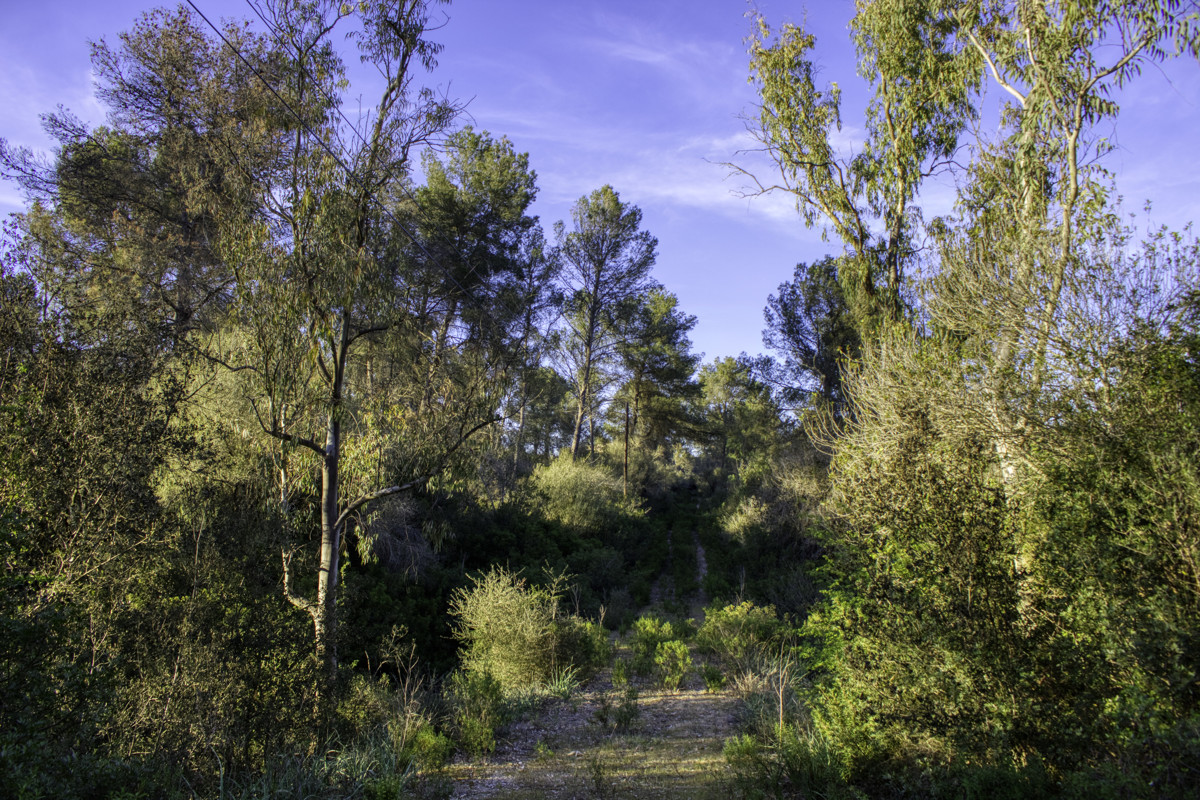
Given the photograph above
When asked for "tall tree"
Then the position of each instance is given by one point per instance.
(811, 328)
(606, 261)
(743, 420)
(284, 223)
(535, 291)
(865, 196)
(658, 368)
(950, 534)
(476, 234)
(320, 270)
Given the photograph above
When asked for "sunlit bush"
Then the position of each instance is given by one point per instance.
(582, 496)
(740, 633)
(516, 633)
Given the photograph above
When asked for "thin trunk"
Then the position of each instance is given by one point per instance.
(585, 389)
(325, 613)
(625, 463)
(325, 616)
(520, 435)
(435, 361)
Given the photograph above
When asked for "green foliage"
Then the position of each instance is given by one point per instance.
(583, 497)
(714, 679)
(648, 633)
(618, 712)
(582, 646)
(740, 634)
(477, 706)
(798, 764)
(744, 424)
(812, 330)
(620, 673)
(515, 632)
(672, 662)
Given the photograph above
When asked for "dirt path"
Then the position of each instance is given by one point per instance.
(673, 750)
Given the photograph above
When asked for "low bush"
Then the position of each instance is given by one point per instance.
(583, 497)
(618, 712)
(800, 763)
(672, 662)
(648, 633)
(477, 709)
(740, 633)
(580, 645)
(620, 673)
(714, 679)
(515, 633)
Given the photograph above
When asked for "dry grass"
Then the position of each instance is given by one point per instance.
(674, 750)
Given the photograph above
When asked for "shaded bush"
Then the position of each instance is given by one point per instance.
(740, 633)
(648, 633)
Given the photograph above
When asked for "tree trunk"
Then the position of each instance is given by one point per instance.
(325, 611)
(625, 464)
(584, 398)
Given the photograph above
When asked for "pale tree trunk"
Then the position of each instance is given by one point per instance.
(325, 616)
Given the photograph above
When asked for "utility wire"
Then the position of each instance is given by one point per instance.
(349, 173)
(277, 34)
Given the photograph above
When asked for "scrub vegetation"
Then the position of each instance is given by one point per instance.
(326, 473)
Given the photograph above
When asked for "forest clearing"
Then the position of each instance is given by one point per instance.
(329, 471)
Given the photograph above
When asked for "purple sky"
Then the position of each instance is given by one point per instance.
(643, 94)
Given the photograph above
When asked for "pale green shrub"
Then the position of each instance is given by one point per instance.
(582, 496)
(740, 633)
(507, 628)
(648, 632)
(513, 631)
(673, 662)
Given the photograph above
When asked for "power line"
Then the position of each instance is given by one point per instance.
(485, 319)
(279, 38)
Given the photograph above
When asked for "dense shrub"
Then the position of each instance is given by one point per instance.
(672, 662)
(476, 700)
(516, 633)
(740, 633)
(584, 497)
(648, 633)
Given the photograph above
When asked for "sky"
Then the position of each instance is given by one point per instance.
(649, 96)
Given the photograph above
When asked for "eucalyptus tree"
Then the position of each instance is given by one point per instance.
(284, 221)
(323, 265)
(949, 528)
(1026, 198)
(866, 196)
(606, 262)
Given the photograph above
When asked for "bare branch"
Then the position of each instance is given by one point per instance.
(996, 72)
(391, 490)
(274, 431)
(302, 603)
